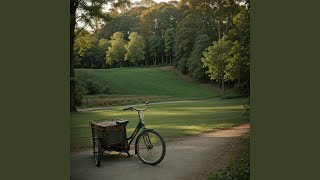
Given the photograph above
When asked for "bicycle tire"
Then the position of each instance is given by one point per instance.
(146, 134)
(97, 152)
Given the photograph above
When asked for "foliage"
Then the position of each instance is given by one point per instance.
(242, 30)
(90, 51)
(157, 18)
(184, 40)
(82, 44)
(195, 65)
(93, 87)
(85, 85)
(169, 42)
(135, 48)
(116, 51)
(125, 23)
(234, 67)
(80, 91)
(216, 58)
(156, 46)
(187, 31)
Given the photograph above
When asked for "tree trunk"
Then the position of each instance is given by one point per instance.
(73, 8)
(239, 85)
(155, 60)
(223, 88)
(162, 59)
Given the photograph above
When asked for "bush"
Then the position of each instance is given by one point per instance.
(80, 91)
(107, 89)
(93, 87)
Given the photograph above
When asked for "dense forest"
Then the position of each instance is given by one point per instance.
(206, 39)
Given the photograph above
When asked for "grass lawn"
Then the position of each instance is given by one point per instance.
(170, 120)
(148, 82)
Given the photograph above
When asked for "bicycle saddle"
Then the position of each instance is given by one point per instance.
(125, 122)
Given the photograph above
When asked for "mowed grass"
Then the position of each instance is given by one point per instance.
(149, 82)
(170, 120)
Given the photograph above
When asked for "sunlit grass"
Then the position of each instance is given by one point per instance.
(170, 120)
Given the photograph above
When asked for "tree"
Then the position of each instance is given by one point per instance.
(124, 22)
(195, 65)
(155, 44)
(157, 18)
(216, 58)
(135, 48)
(83, 43)
(187, 31)
(237, 64)
(90, 51)
(82, 11)
(116, 51)
(169, 43)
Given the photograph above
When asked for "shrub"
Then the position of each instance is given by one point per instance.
(107, 89)
(80, 91)
(93, 87)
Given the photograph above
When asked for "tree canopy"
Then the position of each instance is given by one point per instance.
(116, 51)
(135, 48)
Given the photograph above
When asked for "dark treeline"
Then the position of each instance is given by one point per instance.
(207, 39)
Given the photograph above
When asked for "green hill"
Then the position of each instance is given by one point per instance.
(151, 83)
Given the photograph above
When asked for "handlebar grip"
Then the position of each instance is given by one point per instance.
(126, 109)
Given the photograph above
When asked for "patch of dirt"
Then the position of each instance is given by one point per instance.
(236, 147)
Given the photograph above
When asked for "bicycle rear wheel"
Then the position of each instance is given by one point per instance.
(150, 147)
(97, 152)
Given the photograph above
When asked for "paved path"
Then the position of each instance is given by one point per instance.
(124, 106)
(185, 159)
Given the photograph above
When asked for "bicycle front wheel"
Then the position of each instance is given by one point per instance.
(150, 147)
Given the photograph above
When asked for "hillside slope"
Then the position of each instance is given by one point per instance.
(149, 82)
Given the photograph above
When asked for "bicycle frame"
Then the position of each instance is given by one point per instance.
(139, 126)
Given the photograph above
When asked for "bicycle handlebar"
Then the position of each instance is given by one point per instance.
(132, 108)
